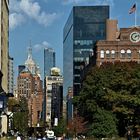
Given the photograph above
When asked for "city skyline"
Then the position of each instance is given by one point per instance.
(42, 22)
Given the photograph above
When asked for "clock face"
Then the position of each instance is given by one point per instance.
(135, 37)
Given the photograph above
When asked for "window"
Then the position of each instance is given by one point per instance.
(139, 53)
(139, 56)
(128, 53)
(102, 55)
(78, 59)
(107, 54)
(122, 54)
(113, 53)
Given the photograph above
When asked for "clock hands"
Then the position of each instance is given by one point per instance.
(135, 37)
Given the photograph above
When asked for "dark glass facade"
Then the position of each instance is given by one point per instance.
(85, 25)
(49, 60)
(56, 102)
(20, 68)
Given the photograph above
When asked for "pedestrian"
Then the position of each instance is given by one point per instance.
(18, 137)
(129, 135)
(138, 134)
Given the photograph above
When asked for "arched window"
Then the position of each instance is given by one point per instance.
(129, 54)
(113, 53)
(107, 54)
(122, 54)
(102, 54)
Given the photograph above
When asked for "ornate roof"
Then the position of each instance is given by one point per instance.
(30, 63)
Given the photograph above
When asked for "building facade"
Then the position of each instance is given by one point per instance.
(10, 75)
(20, 68)
(121, 45)
(53, 93)
(49, 60)
(57, 103)
(85, 25)
(30, 86)
(4, 43)
(4, 53)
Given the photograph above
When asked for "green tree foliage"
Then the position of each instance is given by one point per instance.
(61, 128)
(20, 117)
(104, 124)
(113, 87)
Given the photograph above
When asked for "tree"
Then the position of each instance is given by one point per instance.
(104, 124)
(11, 103)
(77, 125)
(20, 118)
(112, 87)
(61, 128)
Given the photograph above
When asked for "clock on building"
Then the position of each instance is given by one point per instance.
(135, 37)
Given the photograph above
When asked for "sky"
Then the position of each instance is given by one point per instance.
(42, 23)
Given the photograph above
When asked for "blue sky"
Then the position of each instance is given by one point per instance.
(42, 22)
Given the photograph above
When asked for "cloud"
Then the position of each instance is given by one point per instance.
(44, 44)
(29, 9)
(95, 2)
(15, 20)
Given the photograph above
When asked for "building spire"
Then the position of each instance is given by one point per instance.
(30, 51)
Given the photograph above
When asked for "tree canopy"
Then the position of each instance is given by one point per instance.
(20, 117)
(115, 88)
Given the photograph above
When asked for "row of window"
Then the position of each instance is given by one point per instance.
(54, 78)
(81, 59)
(83, 42)
(112, 53)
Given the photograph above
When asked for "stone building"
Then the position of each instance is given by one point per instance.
(4, 44)
(54, 97)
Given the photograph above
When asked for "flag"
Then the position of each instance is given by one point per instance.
(133, 9)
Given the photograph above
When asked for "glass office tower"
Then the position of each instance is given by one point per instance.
(49, 61)
(85, 25)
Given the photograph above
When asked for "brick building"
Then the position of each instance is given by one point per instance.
(120, 45)
(29, 85)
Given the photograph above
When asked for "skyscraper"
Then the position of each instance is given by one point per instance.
(53, 102)
(49, 60)
(29, 85)
(20, 68)
(85, 25)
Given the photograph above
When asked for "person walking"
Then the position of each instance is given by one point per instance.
(138, 134)
(129, 135)
(18, 137)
